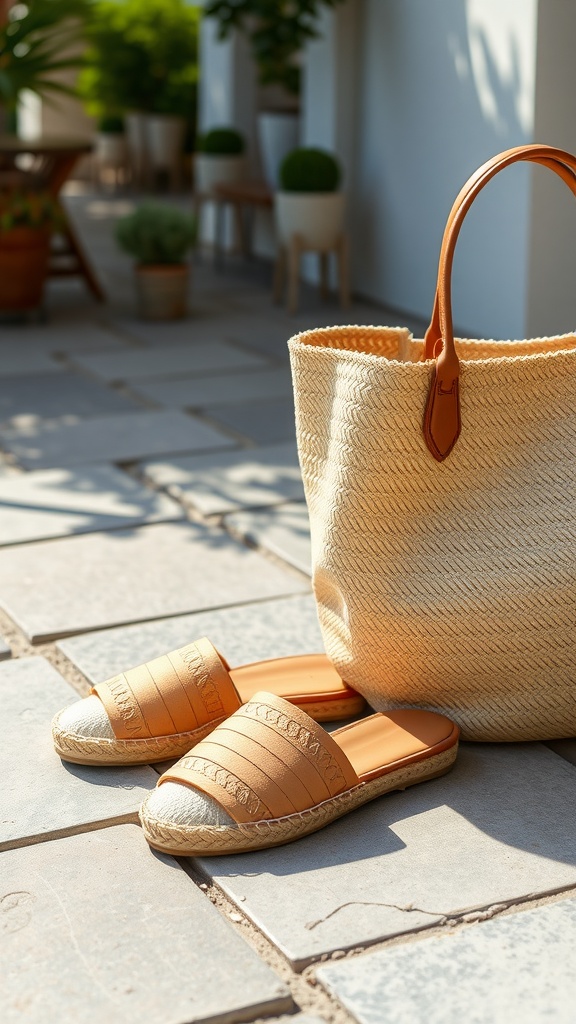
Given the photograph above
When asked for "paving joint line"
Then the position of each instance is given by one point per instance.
(242, 440)
(253, 545)
(452, 922)
(123, 388)
(308, 996)
(21, 647)
(84, 828)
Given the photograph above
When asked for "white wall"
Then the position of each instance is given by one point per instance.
(443, 86)
(227, 86)
(552, 279)
(329, 97)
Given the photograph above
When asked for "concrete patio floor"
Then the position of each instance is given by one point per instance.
(149, 495)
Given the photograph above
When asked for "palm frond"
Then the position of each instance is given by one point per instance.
(32, 42)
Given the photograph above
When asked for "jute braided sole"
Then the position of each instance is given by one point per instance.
(101, 750)
(216, 840)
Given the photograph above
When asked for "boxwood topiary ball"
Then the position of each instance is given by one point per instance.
(309, 170)
(221, 142)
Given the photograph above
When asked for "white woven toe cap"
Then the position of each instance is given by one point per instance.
(176, 804)
(87, 718)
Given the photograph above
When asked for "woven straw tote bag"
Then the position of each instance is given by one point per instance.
(440, 477)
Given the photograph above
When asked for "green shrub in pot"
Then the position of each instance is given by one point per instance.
(221, 142)
(159, 237)
(156, 234)
(310, 170)
(219, 159)
(309, 204)
(142, 60)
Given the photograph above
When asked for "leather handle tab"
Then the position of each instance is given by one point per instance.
(442, 422)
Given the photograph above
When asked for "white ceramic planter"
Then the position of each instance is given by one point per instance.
(137, 138)
(162, 291)
(279, 134)
(211, 170)
(165, 140)
(317, 217)
(111, 149)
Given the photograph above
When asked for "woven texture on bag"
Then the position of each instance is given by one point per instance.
(445, 586)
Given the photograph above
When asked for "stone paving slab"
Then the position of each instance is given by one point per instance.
(97, 928)
(169, 361)
(224, 323)
(197, 393)
(251, 632)
(41, 796)
(26, 398)
(498, 828)
(202, 326)
(60, 587)
(61, 336)
(515, 968)
(59, 502)
(284, 530)
(264, 422)
(20, 357)
(120, 438)
(224, 482)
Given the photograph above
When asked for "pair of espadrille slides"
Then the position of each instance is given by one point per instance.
(255, 769)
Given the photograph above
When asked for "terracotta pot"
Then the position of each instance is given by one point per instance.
(318, 217)
(162, 291)
(24, 254)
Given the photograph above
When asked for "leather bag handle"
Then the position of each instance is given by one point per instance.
(442, 422)
(433, 334)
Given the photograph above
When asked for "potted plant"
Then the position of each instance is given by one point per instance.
(170, 122)
(111, 141)
(159, 237)
(171, 119)
(309, 203)
(27, 220)
(219, 158)
(142, 59)
(277, 33)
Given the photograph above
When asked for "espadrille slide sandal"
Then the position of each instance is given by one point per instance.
(161, 709)
(269, 775)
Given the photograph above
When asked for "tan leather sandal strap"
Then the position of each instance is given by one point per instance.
(178, 692)
(268, 760)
